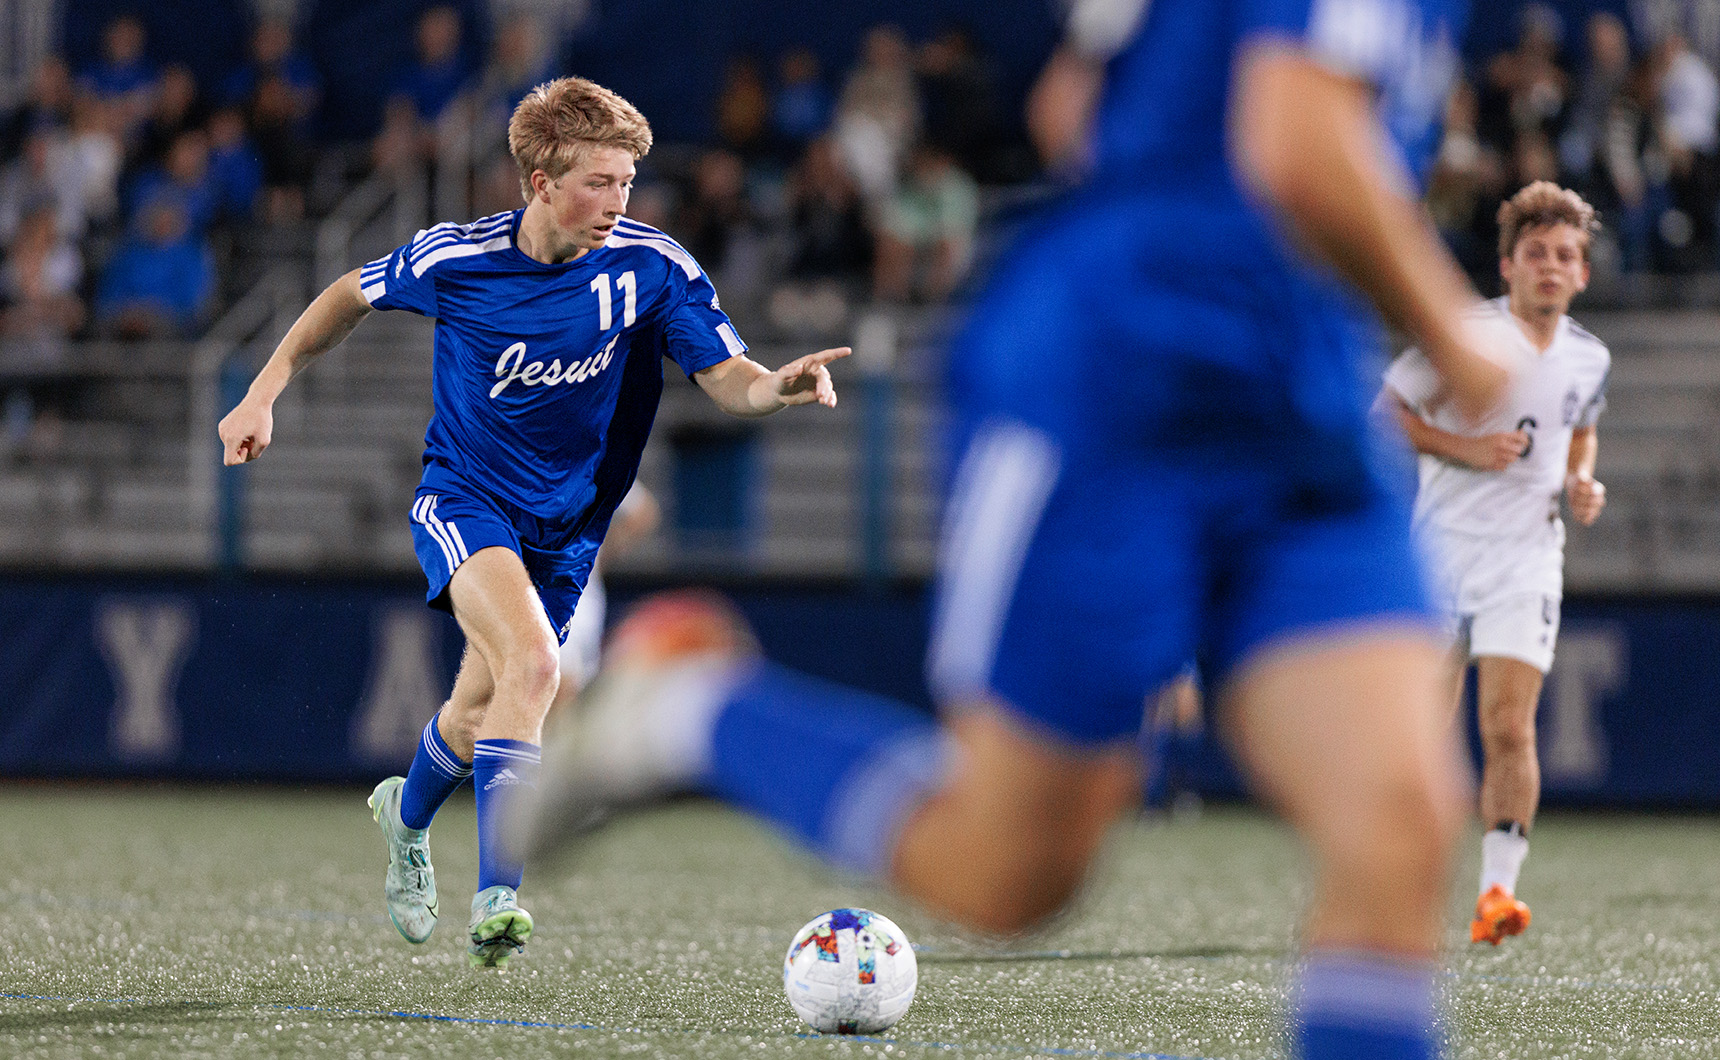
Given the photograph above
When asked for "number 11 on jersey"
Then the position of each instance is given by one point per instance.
(629, 285)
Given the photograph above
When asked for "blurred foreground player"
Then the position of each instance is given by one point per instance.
(552, 321)
(1488, 512)
(1165, 449)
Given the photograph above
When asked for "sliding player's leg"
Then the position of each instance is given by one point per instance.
(499, 610)
(404, 806)
(988, 818)
(1010, 835)
(1507, 692)
(1348, 737)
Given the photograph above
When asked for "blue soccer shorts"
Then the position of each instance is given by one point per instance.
(450, 524)
(1074, 581)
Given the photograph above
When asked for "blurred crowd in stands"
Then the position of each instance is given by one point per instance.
(820, 190)
(1627, 115)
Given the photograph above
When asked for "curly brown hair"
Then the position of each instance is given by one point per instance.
(1544, 203)
(560, 119)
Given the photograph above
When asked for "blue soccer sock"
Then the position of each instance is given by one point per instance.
(436, 771)
(838, 769)
(501, 769)
(1356, 1005)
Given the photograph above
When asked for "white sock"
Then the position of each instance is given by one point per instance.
(1502, 855)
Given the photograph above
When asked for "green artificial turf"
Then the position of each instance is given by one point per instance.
(179, 924)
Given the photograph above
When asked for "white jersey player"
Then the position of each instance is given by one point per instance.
(1487, 512)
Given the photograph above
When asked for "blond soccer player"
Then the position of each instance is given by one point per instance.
(551, 325)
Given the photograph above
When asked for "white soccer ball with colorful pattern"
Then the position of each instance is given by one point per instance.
(850, 971)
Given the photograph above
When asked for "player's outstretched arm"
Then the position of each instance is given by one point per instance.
(246, 431)
(1307, 140)
(1586, 496)
(742, 387)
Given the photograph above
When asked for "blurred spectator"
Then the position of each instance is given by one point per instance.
(182, 182)
(39, 281)
(93, 157)
(878, 114)
(1525, 88)
(174, 111)
(800, 110)
(1604, 78)
(519, 62)
(926, 230)
(124, 79)
(961, 107)
(39, 309)
(743, 108)
(38, 179)
(423, 93)
(1689, 127)
(831, 247)
(47, 103)
(827, 218)
(276, 67)
(1533, 158)
(439, 72)
(235, 171)
(716, 210)
(159, 283)
(1468, 178)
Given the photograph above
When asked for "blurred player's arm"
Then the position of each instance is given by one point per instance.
(1060, 107)
(1485, 452)
(1307, 140)
(246, 431)
(1586, 496)
(743, 387)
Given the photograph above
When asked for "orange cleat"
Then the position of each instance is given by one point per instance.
(1497, 914)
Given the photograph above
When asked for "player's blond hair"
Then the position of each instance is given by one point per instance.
(558, 120)
(1544, 203)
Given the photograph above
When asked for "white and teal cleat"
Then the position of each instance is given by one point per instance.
(410, 887)
(499, 927)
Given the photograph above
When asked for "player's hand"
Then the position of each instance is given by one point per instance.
(1586, 496)
(245, 432)
(807, 379)
(1496, 452)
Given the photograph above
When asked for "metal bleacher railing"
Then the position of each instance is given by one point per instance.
(135, 482)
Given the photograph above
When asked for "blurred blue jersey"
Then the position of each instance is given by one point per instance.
(547, 377)
(1173, 291)
(1164, 114)
(1162, 409)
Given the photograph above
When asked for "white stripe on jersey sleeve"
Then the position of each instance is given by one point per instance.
(662, 244)
(460, 250)
(475, 232)
(731, 341)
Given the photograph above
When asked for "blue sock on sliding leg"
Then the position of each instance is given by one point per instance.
(436, 771)
(838, 769)
(1356, 1005)
(502, 770)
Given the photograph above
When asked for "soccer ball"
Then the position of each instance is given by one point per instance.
(850, 971)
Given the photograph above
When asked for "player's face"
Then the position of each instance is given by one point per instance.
(1547, 268)
(586, 200)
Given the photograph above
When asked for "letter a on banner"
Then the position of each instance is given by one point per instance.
(145, 645)
(404, 689)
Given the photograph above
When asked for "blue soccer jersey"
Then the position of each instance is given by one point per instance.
(547, 377)
(545, 383)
